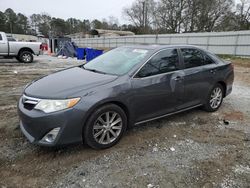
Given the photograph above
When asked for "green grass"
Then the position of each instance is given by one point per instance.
(232, 57)
(243, 61)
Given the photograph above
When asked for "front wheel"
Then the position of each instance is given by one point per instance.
(215, 98)
(105, 127)
(26, 57)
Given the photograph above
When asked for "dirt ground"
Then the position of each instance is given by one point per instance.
(191, 149)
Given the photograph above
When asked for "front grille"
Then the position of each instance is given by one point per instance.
(29, 102)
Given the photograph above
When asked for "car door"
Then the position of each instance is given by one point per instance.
(199, 71)
(3, 46)
(157, 86)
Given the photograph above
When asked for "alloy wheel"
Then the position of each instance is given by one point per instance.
(26, 57)
(216, 98)
(107, 127)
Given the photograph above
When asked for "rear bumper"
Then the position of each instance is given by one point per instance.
(229, 90)
(39, 53)
(35, 125)
(229, 83)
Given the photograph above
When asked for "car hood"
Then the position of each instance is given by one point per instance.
(66, 83)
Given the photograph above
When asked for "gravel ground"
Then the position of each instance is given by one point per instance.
(191, 149)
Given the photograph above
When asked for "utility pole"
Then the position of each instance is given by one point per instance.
(146, 16)
(11, 27)
(143, 13)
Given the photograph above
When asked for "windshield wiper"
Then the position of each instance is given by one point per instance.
(94, 70)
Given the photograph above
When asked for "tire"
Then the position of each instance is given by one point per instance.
(18, 59)
(216, 94)
(97, 131)
(26, 57)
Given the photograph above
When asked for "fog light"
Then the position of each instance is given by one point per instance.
(51, 136)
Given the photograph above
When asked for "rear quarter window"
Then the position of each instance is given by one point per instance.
(214, 57)
(207, 59)
(192, 57)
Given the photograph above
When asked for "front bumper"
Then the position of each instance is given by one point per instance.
(36, 124)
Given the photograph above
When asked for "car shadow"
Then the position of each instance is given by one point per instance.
(137, 129)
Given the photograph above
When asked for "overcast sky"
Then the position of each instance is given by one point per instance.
(82, 9)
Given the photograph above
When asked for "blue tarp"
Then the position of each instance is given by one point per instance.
(92, 53)
(68, 49)
(81, 53)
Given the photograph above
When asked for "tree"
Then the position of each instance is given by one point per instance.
(59, 27)
(211, 12)
(11, 20)
(206, 15)
(44, 24)
(96, 24)
(74, 25)
(176, 16)
(35, 20)
(113, 23)
(141, 14)
(22, 24)
(228, 23)
(243, 14)
(3, 22)
(169, 16)
(86, 25)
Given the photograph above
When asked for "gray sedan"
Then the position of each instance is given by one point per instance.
(97, 102)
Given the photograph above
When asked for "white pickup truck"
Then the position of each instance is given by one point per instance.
(22, 51)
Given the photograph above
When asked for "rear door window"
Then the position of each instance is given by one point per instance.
(1, 38)
(195, 58)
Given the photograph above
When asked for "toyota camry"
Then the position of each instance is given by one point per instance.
(97, 102)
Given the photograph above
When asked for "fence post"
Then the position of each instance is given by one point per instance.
(236, 44)
(103, 42)
(208, 42)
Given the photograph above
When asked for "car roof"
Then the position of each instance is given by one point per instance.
(159, 47)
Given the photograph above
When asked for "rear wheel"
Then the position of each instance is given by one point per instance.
(105, 127)
(26, 57)
(215, 98)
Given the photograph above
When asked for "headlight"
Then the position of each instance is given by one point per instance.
(49, 106)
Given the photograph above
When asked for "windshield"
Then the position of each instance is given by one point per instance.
(118, 61)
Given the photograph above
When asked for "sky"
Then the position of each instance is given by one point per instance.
(81, 9)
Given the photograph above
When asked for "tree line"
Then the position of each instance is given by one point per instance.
(176, 16)
(11, 22)
(144, 16)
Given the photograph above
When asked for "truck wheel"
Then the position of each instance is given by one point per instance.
(26, 57)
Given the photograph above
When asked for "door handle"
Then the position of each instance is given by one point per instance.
(213, 71)
(178, 78)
